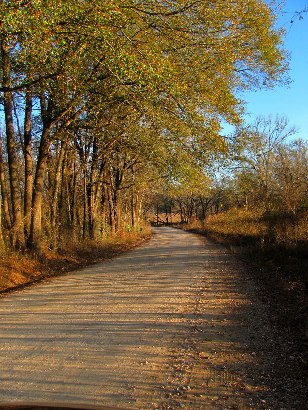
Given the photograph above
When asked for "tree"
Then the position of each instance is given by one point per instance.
(290, 176)
(16, 228)
(256, 146)
(168, 71)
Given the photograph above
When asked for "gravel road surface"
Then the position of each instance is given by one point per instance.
(176, 323)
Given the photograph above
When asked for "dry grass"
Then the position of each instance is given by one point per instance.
(257, 228)
(277, 241)
(237, 222)
(19, 269)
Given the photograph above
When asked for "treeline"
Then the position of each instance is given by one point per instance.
(103, 100)
(259, 195)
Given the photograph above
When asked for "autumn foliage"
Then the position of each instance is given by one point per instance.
(102, 100)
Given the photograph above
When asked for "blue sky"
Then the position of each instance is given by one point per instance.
(289, 101)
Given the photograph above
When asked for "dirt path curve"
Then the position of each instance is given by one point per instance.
(173, 324)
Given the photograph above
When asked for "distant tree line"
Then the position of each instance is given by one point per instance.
(262, 180)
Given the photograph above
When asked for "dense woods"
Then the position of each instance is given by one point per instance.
(104, 103)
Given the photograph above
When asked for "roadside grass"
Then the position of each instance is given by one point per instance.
(276, 248)
(19, 269)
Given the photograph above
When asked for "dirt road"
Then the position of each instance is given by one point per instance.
(176, 323)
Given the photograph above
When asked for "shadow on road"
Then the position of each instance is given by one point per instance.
(175, 323)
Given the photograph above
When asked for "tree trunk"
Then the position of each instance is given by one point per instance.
(137, 207)
(6, 217)
(72, 206)
(112, 198)
(17, 231)
(2, 245)
(112, 211)
(181, 211)
(95, 195)
(85, 207)
(35, 236)
(55, 195)
(92, 203)
(133, 210)
(28, 162)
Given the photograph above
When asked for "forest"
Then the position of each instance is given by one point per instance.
(112, 114)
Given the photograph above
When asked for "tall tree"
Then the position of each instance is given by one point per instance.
(257, 146)
(173, 68)
(16, 231)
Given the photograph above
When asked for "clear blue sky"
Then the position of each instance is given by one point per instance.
(290, 101)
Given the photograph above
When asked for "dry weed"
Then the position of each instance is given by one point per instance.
(19, 269)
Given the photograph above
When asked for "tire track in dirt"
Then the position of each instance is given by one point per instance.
(173, 324)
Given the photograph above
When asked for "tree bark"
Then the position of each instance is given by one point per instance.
(112, 210)
(92, 192)
(85, 207)
(28, 162)
(17, 231)
(95, 187)
(112, 202)
(55, 195)
(6, 217)
(71, 194)
(2, 245)
(35, 236)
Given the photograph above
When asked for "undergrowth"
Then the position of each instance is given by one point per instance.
(19, 269)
